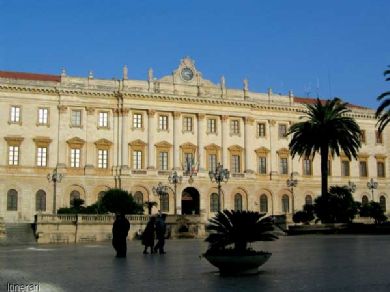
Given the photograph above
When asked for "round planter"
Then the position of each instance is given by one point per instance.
(238, 264)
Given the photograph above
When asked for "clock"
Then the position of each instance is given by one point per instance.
(187, 74)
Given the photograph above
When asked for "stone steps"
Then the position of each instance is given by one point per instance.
(18, 233)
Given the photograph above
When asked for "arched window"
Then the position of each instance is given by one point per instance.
(164, 203)
(214, 202)
(382, 202)
(12, 200)
(40, 201)
(101, 195)
(139, 197)
(364, 200)
(285, 204)
(308, 200)
(74, 195)
(237, 202)
(263, 203)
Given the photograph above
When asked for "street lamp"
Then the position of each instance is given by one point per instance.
(219, 175)
(160, 191)
(292, 183)
(55, 177)
(372, 185)
(175, 179)
(351, 186)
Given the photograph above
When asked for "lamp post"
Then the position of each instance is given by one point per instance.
(175, 179)
(160, 191)
(351, 186)
(372, 185)
(219, 175)
(55, 177)
(292, 183)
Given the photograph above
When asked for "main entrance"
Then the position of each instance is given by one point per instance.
(190, 201)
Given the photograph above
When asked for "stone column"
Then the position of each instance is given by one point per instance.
(63, 123)
(273, 163)
(90, 128)
(151, 163)
(200, 142)
(125, 138)
(224, 138)
(176, 149)
(250, 162)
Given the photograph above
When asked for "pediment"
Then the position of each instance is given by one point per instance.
(163, 144)
(262, 151)
(212, 146)
(76, 141)
(103, 142)
(188, 145)
(235, 148)
(283, 151)
(137, 142)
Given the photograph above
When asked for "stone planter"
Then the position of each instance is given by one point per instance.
(238, 264)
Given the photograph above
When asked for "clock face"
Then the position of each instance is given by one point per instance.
(187, 74)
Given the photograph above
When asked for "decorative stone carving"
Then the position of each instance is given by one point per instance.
(62, 108)
(151, 112)
(125, 72)
(90, 110)
(150, 75)
(176, 115)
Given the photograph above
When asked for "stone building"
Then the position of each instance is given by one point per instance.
(132, 133)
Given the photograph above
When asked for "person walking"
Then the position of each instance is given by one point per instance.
(148, 235)
(120, 230)
(161, 228)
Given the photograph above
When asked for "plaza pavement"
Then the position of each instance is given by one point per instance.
(300, 263)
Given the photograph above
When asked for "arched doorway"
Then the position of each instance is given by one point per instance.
(190, 201)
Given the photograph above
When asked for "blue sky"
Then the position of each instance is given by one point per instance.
(326, 48)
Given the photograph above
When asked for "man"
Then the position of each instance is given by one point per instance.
(161, 228)
(120, 230)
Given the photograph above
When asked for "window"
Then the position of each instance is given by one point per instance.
(211, 126)
(188, 162)
(382, 203)
(137, 159)
(187, 124)
(378, 138)
(263, 203)
(363, 136)
(73, 196)
(363, 168)
(263, 165)
(41, 156)
(15, 114)
(237, 202)
(380, 165)
(163, 160)
(75, 118)
(307, 166)
(214, 203)
(102, 158)
(344, 168)
(75, 157)
(103, 120)
(163, 122)
(139, 198)
(282, 131)
(40, 201)
(261, 129)
(285, 204)
(13, 155)
(283, 166)
(212, 162)
(234, 127)
(308, 200)
(364, 200)
(235, 164)
(137, 121)
(12, 200)
(43, 114)
(164, 202)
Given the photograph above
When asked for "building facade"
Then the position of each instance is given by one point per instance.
(131, 134)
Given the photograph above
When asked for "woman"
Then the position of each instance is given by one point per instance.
(148, 235)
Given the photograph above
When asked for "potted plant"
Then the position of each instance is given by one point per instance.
(230, 233)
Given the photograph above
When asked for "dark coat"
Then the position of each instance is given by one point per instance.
(120, 230)
(148, 234)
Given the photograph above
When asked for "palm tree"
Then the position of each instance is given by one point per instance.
(328, 129)
(381, 114)
(238, 228)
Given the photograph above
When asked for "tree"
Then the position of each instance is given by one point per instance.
(120, 201)
(304, 216)
(383, 111)
(328, 129)
(238, 228)
(338, 206)
(373, 210)
(150, 205)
